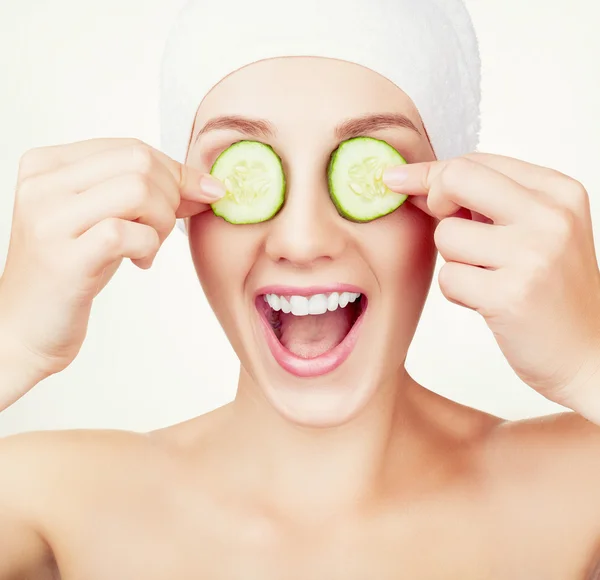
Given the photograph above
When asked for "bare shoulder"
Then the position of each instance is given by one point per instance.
(545, 472)
(52, 450)
(41, 471)
(55, 461)
(45, 477)
(565, 443)
(73, 461)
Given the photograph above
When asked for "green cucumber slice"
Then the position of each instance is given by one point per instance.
(354, 174)
(253, 176)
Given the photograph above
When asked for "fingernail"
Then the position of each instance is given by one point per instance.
(212, 187)
(394, 176)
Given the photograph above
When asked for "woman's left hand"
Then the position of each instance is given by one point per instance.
(530, 269)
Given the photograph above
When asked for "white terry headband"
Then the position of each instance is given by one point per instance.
(428, 48)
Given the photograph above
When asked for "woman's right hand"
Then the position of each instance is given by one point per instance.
(79, 210)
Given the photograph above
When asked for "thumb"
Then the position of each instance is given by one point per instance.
(196, 185)
(197, 190)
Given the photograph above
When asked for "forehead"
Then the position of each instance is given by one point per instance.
(286, 90)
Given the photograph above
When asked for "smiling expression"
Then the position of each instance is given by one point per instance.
(285, 290)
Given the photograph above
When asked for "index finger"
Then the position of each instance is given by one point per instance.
(460, 182)
(190, 181)
(44, 159)
(190, 208)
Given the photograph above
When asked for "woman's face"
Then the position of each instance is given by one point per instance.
(322, 369)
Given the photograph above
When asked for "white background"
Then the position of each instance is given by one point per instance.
(77, 69)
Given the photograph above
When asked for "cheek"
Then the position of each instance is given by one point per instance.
(223, 255)
(401, 251)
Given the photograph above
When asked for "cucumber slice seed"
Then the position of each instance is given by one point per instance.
(355, 179)
(253, 176)
(255, 182)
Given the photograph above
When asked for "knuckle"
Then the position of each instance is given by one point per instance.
(29, 162)
(455, 170)
(170, 222)
(560, 221)
(427, 177)
(141, 158)
(448, 225)
(446, 279)
(139, 189)
(151, 240)
(133, 142)
(164, 224)
(443, 231)
(577, 194)
(573, 193)
(27, 188)
(155, 241)
(112, 235)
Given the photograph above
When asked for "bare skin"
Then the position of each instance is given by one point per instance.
(482, 499)
(366, 475)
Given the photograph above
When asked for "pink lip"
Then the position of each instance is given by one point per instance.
(311, 367)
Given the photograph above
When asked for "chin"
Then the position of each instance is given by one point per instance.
(323, 402)
(317, 354)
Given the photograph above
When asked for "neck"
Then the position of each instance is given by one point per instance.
(325, 470)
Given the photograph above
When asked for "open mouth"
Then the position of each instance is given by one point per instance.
(311, 334)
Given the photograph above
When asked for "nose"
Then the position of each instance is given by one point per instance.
(308, 228)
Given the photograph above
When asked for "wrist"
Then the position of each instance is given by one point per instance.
(584, 397)
(19, 369)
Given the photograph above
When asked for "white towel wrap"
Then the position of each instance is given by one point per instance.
(428, 48)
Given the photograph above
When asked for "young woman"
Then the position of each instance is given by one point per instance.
(332, 462)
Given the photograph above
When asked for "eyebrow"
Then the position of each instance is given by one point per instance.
(348, 129)
(360, 125)
(254, 127)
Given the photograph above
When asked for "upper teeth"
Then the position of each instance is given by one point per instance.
(317, 304)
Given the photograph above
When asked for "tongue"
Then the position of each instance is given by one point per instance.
(313, 335)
